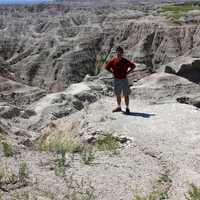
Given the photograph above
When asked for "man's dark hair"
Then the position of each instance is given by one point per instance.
(119, 49)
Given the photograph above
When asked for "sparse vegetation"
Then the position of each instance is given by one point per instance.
(194, 193)
(2, 174)
(7, 149)
(75, 189)
(180, 8)
(79, 190)
(176, 11)
(2, 138)
(59, 142)
(23, 196)
(87, 155)
(47, 194)
(60, 167)
(101, 59)
(160, 189)
(107, 143)
(7, 177)
(11, 180)
(23, 173)
(164, 178)
(152, 196)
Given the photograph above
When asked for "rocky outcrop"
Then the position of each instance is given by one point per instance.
(39, 110)
(186, 67)
(161, 87)
(195, 101)
(18, 94)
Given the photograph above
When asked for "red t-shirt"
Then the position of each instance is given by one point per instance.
(119, 67)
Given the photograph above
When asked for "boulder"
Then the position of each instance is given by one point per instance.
(161, 87)
(195, 101)
(186, 67)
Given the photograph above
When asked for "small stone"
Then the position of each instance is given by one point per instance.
(27, 143)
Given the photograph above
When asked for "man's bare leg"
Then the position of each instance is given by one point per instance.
(118, 109)
(118, 101)
(126, 98)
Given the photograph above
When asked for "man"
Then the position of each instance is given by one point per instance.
(120, 67)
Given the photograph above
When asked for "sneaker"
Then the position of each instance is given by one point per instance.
(127, 111)
(118, 109)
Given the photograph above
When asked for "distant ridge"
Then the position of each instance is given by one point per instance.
(15, 2)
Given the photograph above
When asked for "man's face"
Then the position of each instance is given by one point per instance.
(119, 54)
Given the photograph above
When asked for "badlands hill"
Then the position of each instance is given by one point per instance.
(58, 137)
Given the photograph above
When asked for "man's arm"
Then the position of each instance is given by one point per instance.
(108, 66)
(110, 70)
(132, 66)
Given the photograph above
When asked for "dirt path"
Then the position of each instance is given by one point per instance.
(169, 133)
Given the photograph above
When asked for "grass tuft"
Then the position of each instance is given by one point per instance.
(23, 173)
(7, 149)
(152, 196)
(87, 155)
(59, 142)
(107, 143)
(194, 193)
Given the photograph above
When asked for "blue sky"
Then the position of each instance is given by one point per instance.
(21, 1)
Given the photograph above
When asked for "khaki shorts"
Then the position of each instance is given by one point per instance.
(121, 85)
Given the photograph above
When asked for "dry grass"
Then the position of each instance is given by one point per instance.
(194, 193)
(7, 149)
(8, 177)
(107, 143)
(88, 154)
(59, 142)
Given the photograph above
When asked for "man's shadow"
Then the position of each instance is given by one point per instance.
(137, 114)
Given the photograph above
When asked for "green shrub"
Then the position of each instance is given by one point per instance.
(164, 178)
(23, 173)
(2, 138)
(87, 155)
(7, 177)
(7, 149)
(194, 193)
(78, 190)
(59, 142)
(60, 167)
(107, 143)
(152, 196)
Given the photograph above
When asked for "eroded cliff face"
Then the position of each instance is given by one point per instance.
(49, 45)
(44, 49)
(158, 43)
